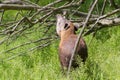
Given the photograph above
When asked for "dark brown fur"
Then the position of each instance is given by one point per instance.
(66, 46)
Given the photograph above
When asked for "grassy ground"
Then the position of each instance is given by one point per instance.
(102, 63)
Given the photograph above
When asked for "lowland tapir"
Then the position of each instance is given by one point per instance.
(66, 31)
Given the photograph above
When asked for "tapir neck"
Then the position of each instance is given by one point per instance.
(67, 34)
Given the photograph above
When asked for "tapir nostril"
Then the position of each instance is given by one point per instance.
(66, 26)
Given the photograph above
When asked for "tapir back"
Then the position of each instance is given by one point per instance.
(66, 49)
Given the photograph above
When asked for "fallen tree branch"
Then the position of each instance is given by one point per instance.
(12, 2)
(104, 23)
(102, 17)
(18, 7)
(109, 22)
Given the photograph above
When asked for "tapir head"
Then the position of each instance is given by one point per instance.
(64, 25)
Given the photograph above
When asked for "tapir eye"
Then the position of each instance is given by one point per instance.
(66, 26)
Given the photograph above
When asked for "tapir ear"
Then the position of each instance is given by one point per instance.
(76, 26)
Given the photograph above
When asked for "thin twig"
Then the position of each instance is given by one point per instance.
(27, 43)
(42, 18)
(79, 36)
(5, 39)
(53, 3)
(103, 8)
(22, 53)
(1, 18)
(102, 12)
(29, 2)
(14, 28)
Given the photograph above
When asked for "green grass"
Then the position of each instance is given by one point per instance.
(102, 63)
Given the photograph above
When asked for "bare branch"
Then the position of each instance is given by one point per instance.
(103, 8)
(57, 1)
(101, 17)
(82, 14)
(18, 7)
(2, 16)
(12, 2)
(27, 43)
(5, 39)
(79, 36)
(22, 53)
